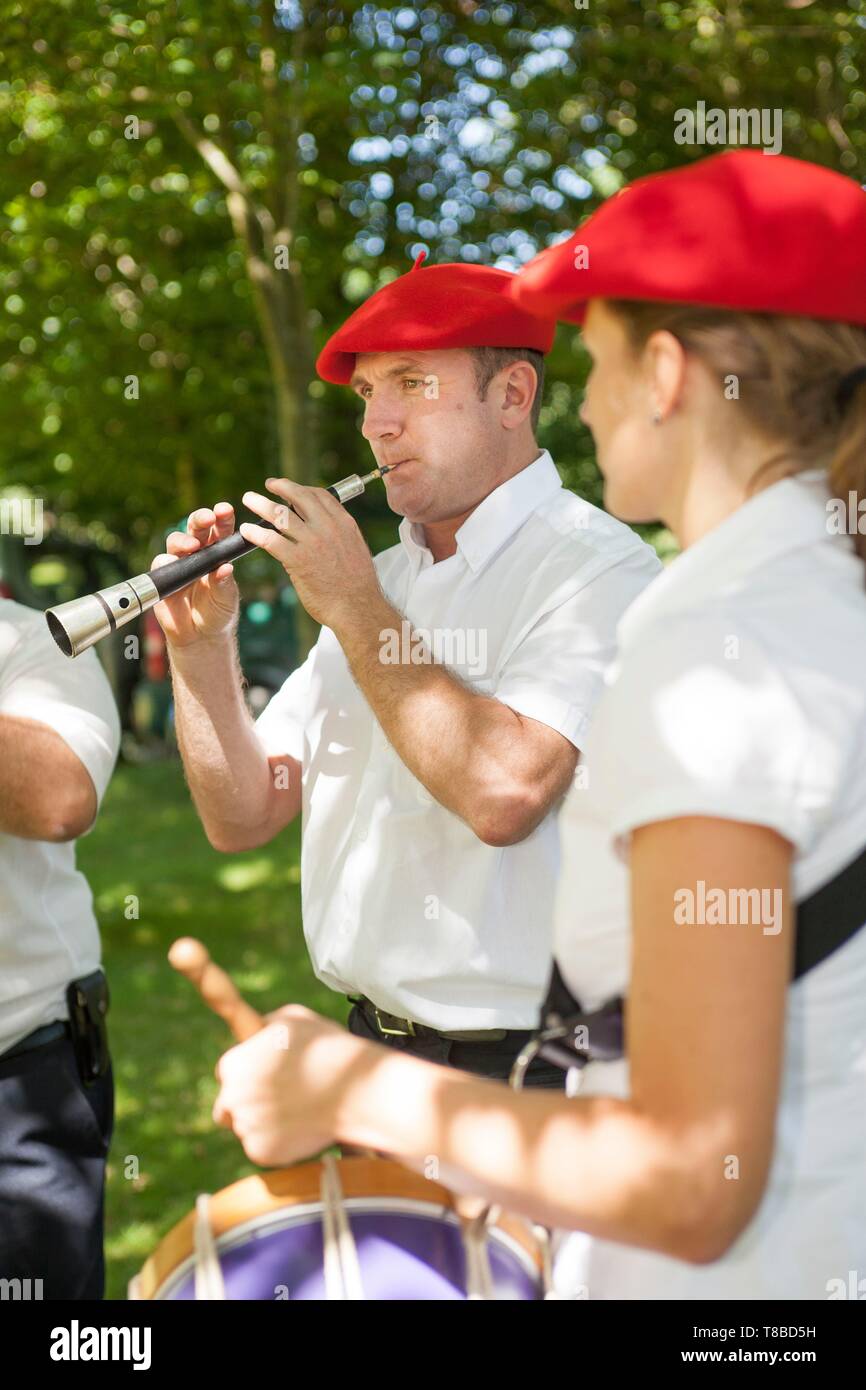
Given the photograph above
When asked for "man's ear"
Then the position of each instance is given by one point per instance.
(520, 384)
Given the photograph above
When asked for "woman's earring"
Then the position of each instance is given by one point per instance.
(657, 417)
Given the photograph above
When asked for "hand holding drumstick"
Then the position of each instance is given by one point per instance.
(219, 991)
(192, 959)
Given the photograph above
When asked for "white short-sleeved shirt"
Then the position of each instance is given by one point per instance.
(739, 691)
(48, 932)
(401, 901)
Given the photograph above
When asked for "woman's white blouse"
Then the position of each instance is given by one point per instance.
(739, 691)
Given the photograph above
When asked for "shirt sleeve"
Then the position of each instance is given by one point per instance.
(556, 673)
(701, 720)
(280, 726)
(72, 697)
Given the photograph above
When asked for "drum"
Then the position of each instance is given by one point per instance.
(351, 1228)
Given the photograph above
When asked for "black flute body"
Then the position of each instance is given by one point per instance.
(77, 625)
(186, 569)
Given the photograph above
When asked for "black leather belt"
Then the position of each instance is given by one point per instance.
(392, 1026)
(50, 1033)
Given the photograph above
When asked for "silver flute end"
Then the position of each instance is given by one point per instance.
(79, 624)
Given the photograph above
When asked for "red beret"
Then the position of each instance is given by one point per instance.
(741, 230)
(440, 306)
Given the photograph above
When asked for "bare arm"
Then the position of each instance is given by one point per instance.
(45, 790)
(681, 1166)
(498, 770)
(678, 1167)
(244, 797)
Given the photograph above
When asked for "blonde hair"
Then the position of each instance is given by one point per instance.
(788, 371)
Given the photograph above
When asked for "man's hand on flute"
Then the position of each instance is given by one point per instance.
(319, 545)
(207, 609)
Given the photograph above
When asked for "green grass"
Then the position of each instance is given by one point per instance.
(148, 845)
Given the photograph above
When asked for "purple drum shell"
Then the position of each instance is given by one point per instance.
(407, 1251)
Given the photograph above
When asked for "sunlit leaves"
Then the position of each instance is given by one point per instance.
(481, 133)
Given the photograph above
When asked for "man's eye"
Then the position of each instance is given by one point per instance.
(412, 381)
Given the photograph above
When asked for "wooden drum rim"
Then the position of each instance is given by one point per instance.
(283, 1188)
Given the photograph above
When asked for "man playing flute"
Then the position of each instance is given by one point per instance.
(432, 731)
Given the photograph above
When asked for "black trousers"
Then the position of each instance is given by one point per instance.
(54, 1137)
(493, 1060)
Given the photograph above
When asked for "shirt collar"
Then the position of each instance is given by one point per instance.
(495, 520)
(789, 515)
(412, 539)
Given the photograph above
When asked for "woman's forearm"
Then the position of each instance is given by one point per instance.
(594, 1164)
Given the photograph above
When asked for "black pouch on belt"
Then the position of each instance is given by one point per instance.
(88, 1005)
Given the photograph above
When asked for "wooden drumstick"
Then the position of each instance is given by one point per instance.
(190, 958)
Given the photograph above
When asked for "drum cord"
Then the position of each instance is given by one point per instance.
(475, 1234)
(209, 1283)
(342, 1268)
(479, 1279)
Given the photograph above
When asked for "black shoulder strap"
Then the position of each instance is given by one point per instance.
(831, 916)
(825, 921)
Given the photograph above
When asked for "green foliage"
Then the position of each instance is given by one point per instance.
(359, 134)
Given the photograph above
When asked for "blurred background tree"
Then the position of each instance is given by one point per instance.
(195, 193)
